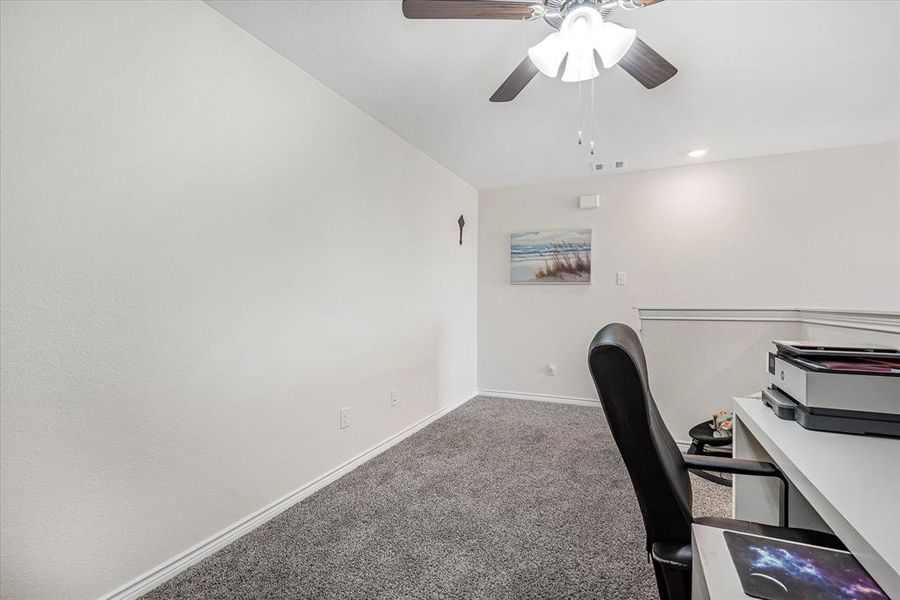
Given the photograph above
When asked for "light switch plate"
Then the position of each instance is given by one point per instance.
(589, 201)
(621, 278)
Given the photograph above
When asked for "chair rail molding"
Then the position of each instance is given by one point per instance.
(882, 321)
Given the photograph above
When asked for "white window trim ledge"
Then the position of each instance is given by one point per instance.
(870, 320)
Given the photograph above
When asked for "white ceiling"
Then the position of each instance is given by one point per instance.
(755, 77)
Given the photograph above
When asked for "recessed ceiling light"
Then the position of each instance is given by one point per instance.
(699, 153)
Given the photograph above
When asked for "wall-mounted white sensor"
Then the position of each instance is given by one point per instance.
(590, 201)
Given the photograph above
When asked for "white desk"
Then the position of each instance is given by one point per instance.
(713, 576)
(847, 484)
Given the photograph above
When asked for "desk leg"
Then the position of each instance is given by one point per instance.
(699, 586)
(758, 498)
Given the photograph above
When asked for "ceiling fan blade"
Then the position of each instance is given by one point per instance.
(644, 64)
(645, 3)
(469, 9)
(516, 81)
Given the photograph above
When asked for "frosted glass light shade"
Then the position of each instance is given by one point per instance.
(548, 55)
(580, 66)
(580, 28)
(612, 42)
(582, 31)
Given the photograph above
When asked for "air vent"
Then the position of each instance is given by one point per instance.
(619, 164)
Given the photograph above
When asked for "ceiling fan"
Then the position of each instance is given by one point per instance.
(583, 34)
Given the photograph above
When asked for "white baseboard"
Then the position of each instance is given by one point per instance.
(682, 445)
(174, 566)
(540, 397)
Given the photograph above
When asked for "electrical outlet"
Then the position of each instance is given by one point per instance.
(395, 397)
(345, 418)
(621, 278)
(551, 369)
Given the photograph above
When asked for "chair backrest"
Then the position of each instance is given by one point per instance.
(654, 462)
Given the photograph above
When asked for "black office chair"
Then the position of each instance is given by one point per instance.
(659, 471)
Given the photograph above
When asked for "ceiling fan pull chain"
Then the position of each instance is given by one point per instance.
(579, 113)
(591, 117)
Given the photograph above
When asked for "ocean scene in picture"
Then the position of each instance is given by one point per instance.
(550, 256)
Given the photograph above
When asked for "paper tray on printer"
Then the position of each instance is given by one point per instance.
(862, 366)
(837, 421)
(813, 349)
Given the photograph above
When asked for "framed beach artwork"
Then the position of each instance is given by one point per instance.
(562, 256)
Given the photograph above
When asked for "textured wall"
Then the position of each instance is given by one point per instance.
(205, 254)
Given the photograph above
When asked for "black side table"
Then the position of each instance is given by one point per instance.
(705, 440)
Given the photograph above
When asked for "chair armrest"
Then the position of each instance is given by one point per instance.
(738, 466)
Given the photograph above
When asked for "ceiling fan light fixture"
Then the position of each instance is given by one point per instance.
(548, 55)
(577, 36)
(580, 27)
(580, 66)
(612, 42)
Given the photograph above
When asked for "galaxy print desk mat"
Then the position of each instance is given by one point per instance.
(774, 569)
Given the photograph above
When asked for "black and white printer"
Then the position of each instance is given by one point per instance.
(836, 388)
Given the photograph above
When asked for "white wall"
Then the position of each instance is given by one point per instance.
(817, 229)
(847, 335)
(205, 254)
(726, 359)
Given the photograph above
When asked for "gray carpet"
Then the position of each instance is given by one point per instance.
(498, 499)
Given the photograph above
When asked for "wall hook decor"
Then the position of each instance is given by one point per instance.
(462, 223)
